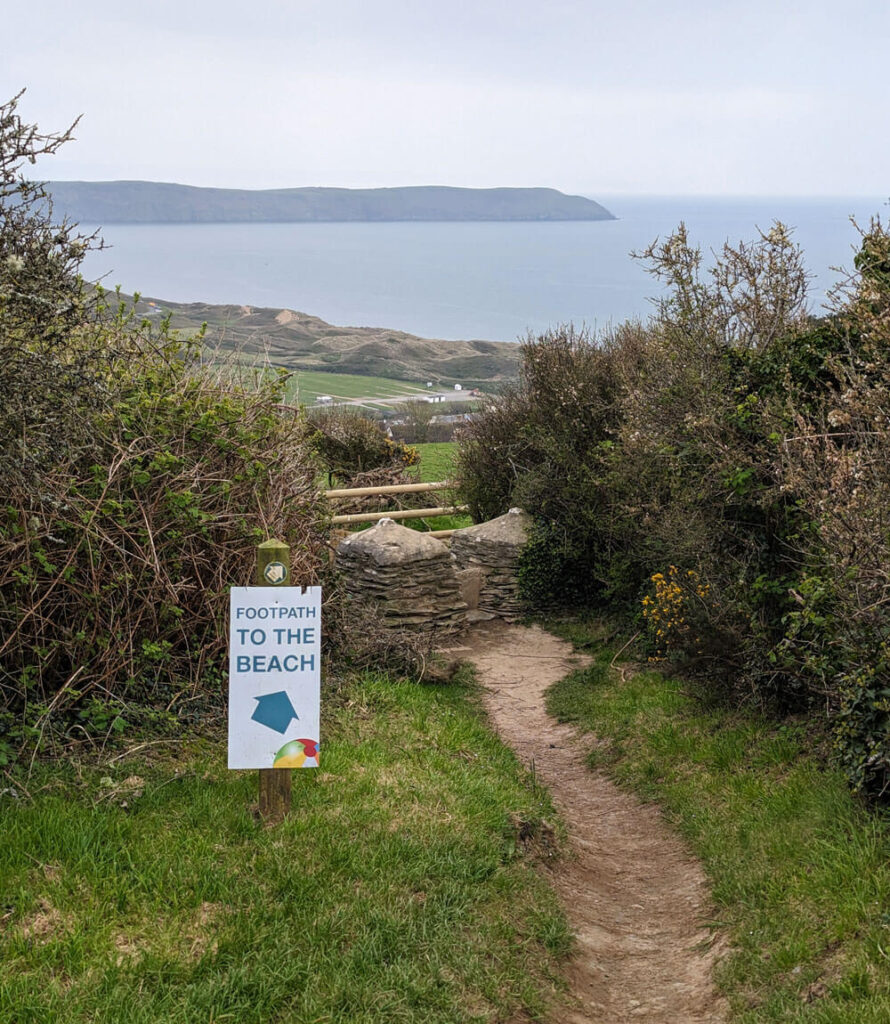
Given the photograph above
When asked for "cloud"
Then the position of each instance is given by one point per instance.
(584, 97)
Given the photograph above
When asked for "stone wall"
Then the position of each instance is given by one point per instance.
(408, 576)
(416, 583)
(490, 551)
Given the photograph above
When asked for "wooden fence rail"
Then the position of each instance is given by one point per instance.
(367, 492)
(410, 513)
(405, 513)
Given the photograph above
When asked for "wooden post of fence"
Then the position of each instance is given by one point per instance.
(273, 570)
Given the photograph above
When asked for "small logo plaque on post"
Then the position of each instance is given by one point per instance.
(275, 573)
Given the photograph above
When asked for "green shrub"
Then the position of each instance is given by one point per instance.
(721, 473)
(552, 573)
(135, 486)
(544, 445)
(349, 444)
(835, 461)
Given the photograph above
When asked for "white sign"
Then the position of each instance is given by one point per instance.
(274, 677)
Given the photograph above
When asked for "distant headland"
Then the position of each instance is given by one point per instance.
(152, 202)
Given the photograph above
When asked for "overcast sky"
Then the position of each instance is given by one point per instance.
(639, 96)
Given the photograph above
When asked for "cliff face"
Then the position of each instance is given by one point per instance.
(149, 202)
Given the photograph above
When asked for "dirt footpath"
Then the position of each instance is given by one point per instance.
(635, 898)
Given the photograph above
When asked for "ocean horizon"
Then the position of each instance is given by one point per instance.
(495, 281)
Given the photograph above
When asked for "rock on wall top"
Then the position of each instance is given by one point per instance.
(388, 543)
(510, 529)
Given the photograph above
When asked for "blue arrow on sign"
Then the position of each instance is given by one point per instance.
(275, 711)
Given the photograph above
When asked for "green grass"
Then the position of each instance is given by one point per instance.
(437, 460)
(306, 385)
(436, 464)
(398, 891)
(800, 871)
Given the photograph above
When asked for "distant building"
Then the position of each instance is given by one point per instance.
(458, 387)
(324, 400)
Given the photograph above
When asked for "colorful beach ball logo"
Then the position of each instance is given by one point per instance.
(298, 754)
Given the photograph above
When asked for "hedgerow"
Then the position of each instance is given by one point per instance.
(135, 484)
(720, 473)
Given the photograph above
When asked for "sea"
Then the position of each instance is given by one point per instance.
(492, 281)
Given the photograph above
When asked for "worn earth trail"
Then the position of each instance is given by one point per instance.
(634, 896)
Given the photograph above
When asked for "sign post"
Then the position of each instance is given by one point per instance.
(274, 678)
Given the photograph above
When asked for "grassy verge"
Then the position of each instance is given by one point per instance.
(398, 890)
(436, 460)
(437, 463)
(800, 871)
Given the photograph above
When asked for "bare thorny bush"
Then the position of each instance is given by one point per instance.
(357, 453)
(49, 374)
(836, 462)
(693, 486)
(751, 294)
(136, 483)
(113, 574)
(352, 446)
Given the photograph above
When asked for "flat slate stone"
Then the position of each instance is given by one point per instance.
(388, 543)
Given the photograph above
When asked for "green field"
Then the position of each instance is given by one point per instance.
(436, 461)
(436, 464)
(306, 385)
(402, 888)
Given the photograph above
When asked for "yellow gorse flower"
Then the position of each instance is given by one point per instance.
(666, 611)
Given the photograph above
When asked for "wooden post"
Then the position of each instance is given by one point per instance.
(273, 570)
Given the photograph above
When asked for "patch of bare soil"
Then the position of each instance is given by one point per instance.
(44, 924)
(635, 897)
